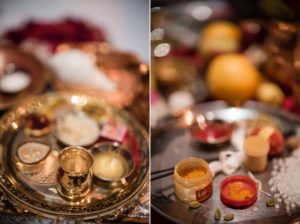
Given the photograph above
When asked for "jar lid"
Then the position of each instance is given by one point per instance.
(238, 191)
(256, 146)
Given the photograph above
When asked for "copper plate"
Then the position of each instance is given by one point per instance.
(27, 62)
(125, 69)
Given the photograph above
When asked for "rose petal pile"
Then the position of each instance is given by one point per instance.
(68, 30)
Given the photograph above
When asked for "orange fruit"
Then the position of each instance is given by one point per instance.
(233, 78)
(219, 37)
(270, 93)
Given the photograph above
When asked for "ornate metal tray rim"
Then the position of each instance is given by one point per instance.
(25, 205)
(114, 210)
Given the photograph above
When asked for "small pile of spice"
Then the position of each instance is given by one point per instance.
(194, 173)
(193, 180)
(77, 129)
(238, 191)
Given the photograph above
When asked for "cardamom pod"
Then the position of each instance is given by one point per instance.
(194, 204)
(228, 217)
(217, 214)
(271, 203)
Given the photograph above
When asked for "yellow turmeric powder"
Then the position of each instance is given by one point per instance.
(237, 191)
(194, 173)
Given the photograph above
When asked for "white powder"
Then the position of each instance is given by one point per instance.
(77, 129)
(285, 181)
(14, 82)
(76, 67)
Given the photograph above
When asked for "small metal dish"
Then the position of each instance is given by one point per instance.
(211, 131)
(20, 60)
(114, 151)
(37, 125)
(31, 167)
(81, 132)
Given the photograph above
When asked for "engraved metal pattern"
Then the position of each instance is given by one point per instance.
(111, 204)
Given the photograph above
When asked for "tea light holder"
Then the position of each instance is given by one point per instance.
(74, 175)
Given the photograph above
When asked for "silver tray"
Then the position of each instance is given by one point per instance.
(171, 143)
(37, 193)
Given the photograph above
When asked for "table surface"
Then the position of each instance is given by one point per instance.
(175, 144)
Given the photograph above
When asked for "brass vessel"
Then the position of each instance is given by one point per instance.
(74, 175)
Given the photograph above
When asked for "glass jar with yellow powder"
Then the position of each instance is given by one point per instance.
(192, 180)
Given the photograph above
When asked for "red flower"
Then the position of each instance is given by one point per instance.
(68, 30)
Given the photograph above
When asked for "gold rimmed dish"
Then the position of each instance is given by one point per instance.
(12, 59)
(37, 192)
(31, 155)
(113, 164)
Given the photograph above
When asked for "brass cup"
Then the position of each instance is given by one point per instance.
(74, 175)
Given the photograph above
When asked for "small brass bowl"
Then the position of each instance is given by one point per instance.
(84, 136)
(111, 156)
(37, 125)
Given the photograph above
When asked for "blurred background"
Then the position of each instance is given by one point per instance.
(229, 50)
(257, 42)
(117, 18)
(110, 39)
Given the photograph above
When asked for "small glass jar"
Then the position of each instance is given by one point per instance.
(189, 186)
(256, 154)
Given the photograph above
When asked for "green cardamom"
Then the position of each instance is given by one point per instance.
(194, 204)
(228, 217)
(271, 203)
(217, 214)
